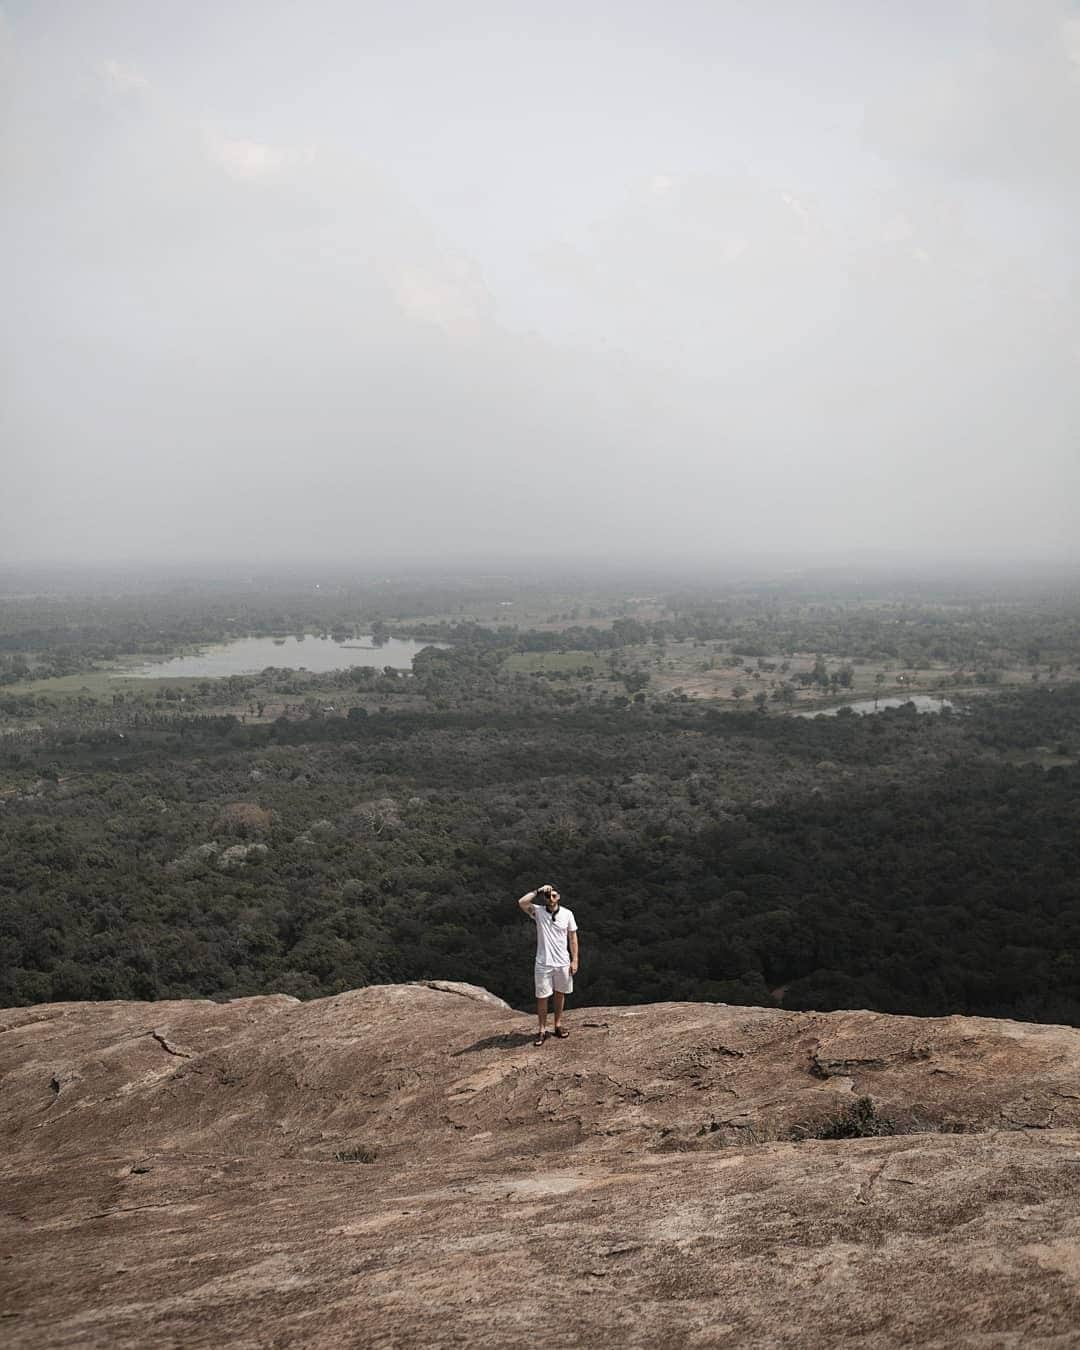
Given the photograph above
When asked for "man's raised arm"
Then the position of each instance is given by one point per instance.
(526, 902)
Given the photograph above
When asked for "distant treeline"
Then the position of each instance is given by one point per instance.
(56, 635)
(915, 637)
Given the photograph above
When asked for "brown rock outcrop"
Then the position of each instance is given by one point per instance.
(399, 1166)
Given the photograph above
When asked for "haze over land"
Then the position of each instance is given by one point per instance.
(474, 281)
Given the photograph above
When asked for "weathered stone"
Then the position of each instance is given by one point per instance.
(398, 1166)
(472, 991)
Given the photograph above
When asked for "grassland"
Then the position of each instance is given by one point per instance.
(571, 663)
(708, 671)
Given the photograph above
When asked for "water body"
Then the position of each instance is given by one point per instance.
(924, 703)
(249, 656)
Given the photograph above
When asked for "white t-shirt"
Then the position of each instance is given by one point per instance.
(551, 930)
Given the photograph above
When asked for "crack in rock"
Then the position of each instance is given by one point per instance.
(168, 1046)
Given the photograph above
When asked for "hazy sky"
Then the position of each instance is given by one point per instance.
(340, 279)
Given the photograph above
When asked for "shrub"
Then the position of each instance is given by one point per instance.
(359, 1153)
(860, 1120)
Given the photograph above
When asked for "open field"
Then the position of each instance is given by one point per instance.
(95, 684)
(705, 670)
(531, 663)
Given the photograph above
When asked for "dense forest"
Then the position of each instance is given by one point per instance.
(905, 862)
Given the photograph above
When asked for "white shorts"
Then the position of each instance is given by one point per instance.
(551, 978)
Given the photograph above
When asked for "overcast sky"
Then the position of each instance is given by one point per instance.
(342, 279)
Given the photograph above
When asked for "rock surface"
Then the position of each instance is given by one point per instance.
(399, 1166)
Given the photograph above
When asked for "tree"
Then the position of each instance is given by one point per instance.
(635, 680)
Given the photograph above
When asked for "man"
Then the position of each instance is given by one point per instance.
(556, 954)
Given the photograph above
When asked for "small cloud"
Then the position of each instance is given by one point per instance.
(123, 80)
(1070, 31)
(897, 230)
(796, 208)
(731, 247)
(248, 160)
(452, 304)
(254, 161)
(801, 213)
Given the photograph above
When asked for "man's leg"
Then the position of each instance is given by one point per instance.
(541, 1015)
(560, 999)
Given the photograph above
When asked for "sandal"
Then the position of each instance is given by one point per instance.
(562, 1033)
(541, 1039)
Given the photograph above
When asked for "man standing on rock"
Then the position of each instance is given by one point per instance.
(556, 954)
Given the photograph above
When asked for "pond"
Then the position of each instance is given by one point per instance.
(249, 656)
(924, 703)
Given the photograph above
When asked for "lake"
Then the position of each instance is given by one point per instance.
(249, 656)
(924, 703)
